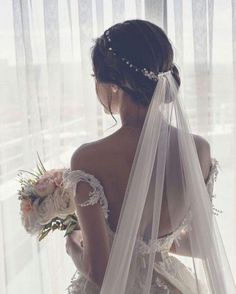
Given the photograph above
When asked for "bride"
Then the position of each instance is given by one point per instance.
(143, 195)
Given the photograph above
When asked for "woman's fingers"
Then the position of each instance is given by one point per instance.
(74, 241)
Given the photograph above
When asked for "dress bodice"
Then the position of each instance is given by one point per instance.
(97, 195)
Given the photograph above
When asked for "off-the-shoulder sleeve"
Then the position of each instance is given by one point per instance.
(212, 177)
(97, 195)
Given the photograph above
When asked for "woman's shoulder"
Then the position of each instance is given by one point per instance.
(203, 149)
(94, 156)
(85, 157)
(101, 149)
(204, 154)
(201, 142)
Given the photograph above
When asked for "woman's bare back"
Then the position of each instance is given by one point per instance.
(113, 158)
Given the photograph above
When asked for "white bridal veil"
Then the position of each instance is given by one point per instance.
(165, 186)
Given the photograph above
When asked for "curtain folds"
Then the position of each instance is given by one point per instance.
(48, 104)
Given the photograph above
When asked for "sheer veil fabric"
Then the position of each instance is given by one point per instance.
(167, 175)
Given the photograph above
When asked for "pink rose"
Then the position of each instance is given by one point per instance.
(26, 206)
(57, 176)
(45, 186)
(58, 179)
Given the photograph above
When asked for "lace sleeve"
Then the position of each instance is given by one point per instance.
(80, 283)
(97, 195)
(212, 177)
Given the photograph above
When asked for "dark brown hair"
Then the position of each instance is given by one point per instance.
(145, 45)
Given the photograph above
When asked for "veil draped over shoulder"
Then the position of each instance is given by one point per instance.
(166, 173)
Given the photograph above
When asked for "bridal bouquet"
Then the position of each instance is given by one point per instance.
(46, 204)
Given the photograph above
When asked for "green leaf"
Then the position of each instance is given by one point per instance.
(33, 174)
(43, 234)
(39, 170)
(44, 169)
(69, 224)
(70, 229)
(55, 225)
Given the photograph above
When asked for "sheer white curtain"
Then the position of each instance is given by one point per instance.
(48, 104)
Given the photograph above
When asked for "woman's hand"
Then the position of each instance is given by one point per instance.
(74, 242)
(75, 250)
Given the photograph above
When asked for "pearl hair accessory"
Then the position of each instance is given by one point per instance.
(148, 73)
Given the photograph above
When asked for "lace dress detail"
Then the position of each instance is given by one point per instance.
(171, 275)
(95, 196)
(163, 244)
(79, 283)
(210, 183)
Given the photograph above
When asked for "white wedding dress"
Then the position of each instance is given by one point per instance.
(170, 276)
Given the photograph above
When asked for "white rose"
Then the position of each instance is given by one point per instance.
(46, 210)
(63, 202)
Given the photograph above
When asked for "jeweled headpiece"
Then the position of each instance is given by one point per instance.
(148, 73)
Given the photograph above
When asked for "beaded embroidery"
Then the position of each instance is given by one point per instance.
(95, 196)
(161, 284)
(147, 73)
(210, 183)
(163, 244)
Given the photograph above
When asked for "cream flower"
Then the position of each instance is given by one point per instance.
(46, 210)
(58, 178)
(63, 201)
